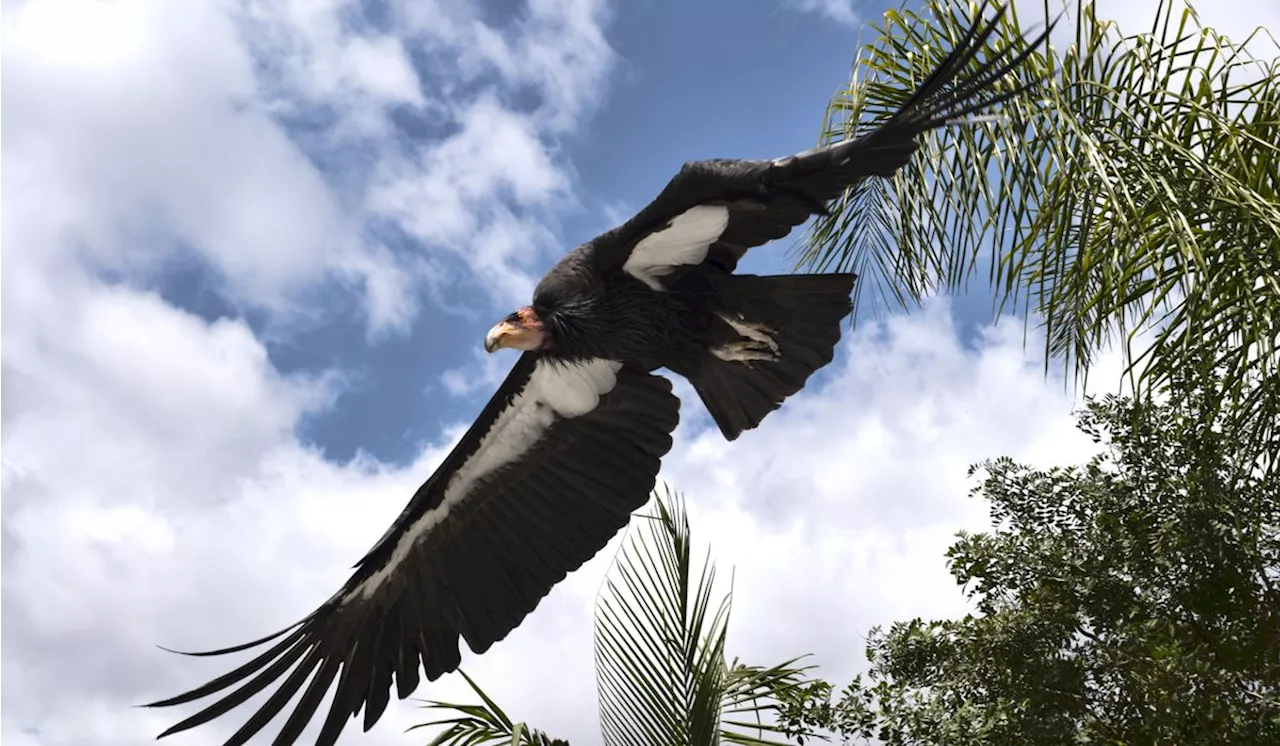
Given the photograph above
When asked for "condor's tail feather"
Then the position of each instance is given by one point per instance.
(773, 333)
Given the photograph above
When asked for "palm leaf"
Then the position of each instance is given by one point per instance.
(1137, 190)
(660, 647)
(479, 724)
(661, 668)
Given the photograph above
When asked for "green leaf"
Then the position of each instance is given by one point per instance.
(1137, 190)
(663, 675)
(661, 637)
(479, 724)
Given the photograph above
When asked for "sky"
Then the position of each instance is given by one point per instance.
(252, 249)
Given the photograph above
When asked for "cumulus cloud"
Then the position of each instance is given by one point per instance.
(840, 11)
(155, 491)
(278, 143)
(139, 122)
(155, 494)
(484, 372)
(1237, 19)
(842, 507)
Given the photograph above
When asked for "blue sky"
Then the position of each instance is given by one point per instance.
(686, 83)
(251, 249)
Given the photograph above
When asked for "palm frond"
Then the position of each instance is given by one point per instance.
(1137, 190)
(479, 724)
(655, 626)
(661, 667)
(663, 675)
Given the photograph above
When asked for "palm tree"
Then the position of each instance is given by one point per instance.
(1137, 190)
(661, 667)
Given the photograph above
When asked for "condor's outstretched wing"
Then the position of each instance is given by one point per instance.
(549, 472)
(714, 211)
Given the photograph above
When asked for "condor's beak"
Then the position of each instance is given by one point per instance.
(500, 331)
(515, 334)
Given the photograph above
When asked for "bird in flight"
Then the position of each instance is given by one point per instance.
(570, 444)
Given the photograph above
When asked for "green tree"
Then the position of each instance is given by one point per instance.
(1134, 600)
(1138, 189)
(660, 640)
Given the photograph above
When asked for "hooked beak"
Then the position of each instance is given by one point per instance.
(520, 331)
(494, 339)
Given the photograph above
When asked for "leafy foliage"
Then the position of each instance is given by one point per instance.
(1132, 600)
(1137, 188)
(662, 671)
(484, 723)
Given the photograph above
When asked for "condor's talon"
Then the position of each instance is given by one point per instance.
(747, 351)
(759, 333)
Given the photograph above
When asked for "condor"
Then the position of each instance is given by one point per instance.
(571, 442)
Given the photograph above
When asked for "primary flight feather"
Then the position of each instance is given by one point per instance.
(571, 442)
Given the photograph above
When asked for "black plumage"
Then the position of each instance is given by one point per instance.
(572, 441)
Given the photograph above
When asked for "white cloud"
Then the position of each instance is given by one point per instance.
(155, 494)
(448, 197)
(321, 60)
(155, 490)
(257, 138)
(139, 123)
(840, 11)
(484, 373)
(841, 506)
(488, 192)
(556, 46)
(1237, 19)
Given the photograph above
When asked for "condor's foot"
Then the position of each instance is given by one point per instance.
(747, 351)
(751, 331)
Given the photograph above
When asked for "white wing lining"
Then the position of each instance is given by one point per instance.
(685, 241)
(554, 390)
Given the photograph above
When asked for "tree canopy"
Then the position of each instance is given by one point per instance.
(1134, 599)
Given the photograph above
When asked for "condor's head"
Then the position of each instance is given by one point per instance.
(522, 330)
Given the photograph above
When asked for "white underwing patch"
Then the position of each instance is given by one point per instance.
(554, 391)
(685, 241)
